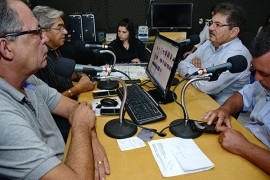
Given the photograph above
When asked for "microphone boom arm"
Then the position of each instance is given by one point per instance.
(124, 94)
(183, 92)
(114, 58)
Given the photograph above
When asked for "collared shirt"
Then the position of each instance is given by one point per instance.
(227, 83)
(30, 142)
(49, 76)
(204, 35)
(256, 100)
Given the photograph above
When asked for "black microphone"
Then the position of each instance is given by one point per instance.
(235, 64)
(81, 46)
(85, 68)
(194, 39)
(65, 67)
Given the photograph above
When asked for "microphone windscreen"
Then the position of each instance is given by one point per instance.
(64, 67)
(239, 63)
(194, 39)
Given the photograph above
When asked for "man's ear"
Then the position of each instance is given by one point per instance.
(235, 31)
(5, 49)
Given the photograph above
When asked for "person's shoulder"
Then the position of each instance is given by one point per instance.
(138, 42)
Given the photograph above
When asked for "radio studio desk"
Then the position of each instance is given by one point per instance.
(139, 164)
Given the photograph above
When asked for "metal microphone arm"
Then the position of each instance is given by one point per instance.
(118, 128)
(109, 84)
(183, 92)
(124, 93)
(181, 127)
(114, 58)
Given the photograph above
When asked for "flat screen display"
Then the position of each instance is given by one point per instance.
(171, 15)
(163, 63)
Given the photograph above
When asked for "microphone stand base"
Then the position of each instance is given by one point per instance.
(108, 85)
(183, 130)
(115, 129)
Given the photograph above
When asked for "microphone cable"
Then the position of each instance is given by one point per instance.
(175, 100)
(115, 70)
(161, 133)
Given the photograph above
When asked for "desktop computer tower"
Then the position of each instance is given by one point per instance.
(76, 27)
(89, 29)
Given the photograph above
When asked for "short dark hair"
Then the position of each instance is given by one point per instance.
(236, 15)
(261, 43)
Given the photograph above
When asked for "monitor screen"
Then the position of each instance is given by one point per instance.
(171, 16)
(162, 66)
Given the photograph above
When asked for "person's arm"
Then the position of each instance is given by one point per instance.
(234, 142)
(222, 114)
(83, 85)
(79, 162)
(186, 67)
(102, 166)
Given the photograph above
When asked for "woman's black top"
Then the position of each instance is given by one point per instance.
(123, 55)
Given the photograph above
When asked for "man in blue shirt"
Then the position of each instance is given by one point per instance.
(223, 43)
(254, 98)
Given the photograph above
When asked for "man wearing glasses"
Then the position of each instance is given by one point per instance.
(223, 43)
(51, 21)
(31, 145)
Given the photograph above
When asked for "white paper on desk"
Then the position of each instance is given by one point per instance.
(177, 156)
(130, 143)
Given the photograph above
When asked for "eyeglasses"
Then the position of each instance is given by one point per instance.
(216, 25)
(37, 31)
(60, 28)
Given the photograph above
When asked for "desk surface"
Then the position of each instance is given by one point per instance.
(140, 163)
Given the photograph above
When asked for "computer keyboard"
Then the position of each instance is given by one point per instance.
(140, 106)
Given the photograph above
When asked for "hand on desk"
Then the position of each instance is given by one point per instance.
(233, 141)
(102, 166)
(85, 84)
(220, 115)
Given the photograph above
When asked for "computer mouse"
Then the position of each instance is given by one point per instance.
(108, 102)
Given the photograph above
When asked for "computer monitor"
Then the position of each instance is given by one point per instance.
(162, 66)
(171, 16)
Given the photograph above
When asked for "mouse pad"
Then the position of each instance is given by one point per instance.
(97, 106)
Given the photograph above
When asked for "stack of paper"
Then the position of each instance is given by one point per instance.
(177, 156)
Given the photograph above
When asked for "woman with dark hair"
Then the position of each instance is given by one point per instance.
(127, 48)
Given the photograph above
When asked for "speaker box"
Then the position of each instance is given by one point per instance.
(89, 29)
(76, 28)
(101, 36)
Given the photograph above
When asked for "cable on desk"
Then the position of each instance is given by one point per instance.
(160, 133)
(115, 70)
(175, 100)
(150, 129)
(144, 82)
